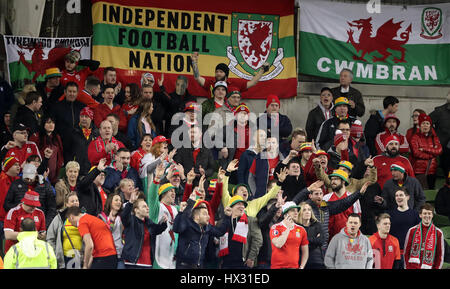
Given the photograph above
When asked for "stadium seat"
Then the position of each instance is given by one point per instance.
(430, 195)
(446, 231)
(441, 220)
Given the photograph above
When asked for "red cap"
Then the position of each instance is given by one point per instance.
(31, 198)
(272, 98)
(356, 130)
(159, 139)
(241, 107)
(391, 115)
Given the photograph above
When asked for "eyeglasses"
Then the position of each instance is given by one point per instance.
(414, 115)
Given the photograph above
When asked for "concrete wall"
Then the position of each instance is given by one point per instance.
(411, 97)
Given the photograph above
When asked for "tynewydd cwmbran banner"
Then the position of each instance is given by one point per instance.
(160, 36)
(29, 57)
(400, 45)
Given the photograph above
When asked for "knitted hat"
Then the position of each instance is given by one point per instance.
(29, 171)
(87, 111)
(236, 199)
(391, 116)
(224, 68)
(389, 139)
(220, 83)
(272, 98)
(398, 167)
(341, 100)
(159, 139)
(165, 188)
(52, 72)
(306, 146)
(338, 137)
(199, 202)
(340, 174)
(8, 163)
(234, 190)
(346, 164)
(423, 117)
(322, 153)
(241, 107)
(233, 90)
(356, 130)
(289, 205)
(31, 198)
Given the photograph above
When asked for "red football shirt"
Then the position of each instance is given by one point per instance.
(15, 216)
(100, 234)
(385, 251)
(289, 254)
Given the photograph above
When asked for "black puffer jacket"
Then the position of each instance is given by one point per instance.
(17, 191)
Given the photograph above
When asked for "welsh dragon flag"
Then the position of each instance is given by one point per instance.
(400, 45)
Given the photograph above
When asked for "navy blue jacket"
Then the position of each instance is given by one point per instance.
(133, 132)
(192, 239)
(134, 234)
(245, 162)
(258, 182)
(113, 178)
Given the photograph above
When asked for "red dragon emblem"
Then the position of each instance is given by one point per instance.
(356, 249)
(38, 64)
(381, 42)
(255, 40)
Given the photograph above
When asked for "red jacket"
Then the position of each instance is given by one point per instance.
(383, 164)
(5, 183)
(425, 161)
(96, 151)
(136, 157)
(379, 142)
(102, 110)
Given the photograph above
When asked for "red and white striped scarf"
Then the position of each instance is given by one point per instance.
(240, 235)
(429, 249)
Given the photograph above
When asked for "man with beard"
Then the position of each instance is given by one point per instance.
(401, 180)
(391, 124)
(338, 182)
(313, 195)
(121, 169)
(384, 161)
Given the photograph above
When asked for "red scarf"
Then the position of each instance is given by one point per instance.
(429, 244)
(239, 235)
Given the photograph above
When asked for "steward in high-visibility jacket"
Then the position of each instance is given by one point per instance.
(30, 253)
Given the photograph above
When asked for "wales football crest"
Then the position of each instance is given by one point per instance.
(254, 41)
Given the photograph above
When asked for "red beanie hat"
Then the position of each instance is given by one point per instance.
(88, 112)
(338, 137)
(8, 163)
(272, 98)
(356, 130)
(389, 139)
(423, 117)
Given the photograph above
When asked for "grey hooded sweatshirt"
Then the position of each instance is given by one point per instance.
(349, 253)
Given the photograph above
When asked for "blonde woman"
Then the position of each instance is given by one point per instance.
(67, 184)
(316, 237)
